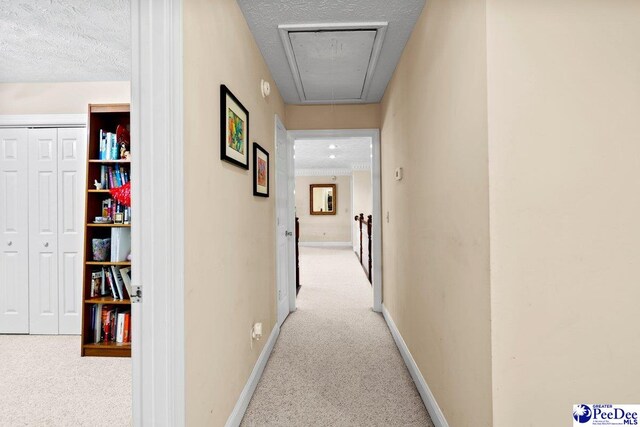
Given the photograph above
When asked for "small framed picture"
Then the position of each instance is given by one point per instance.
(118, 218)
(260, 171)
(234, 129)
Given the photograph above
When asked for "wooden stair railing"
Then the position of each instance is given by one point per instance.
(368, 223)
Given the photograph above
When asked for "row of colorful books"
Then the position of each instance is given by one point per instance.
(109, 147)
(111, 281)
(111, 177)
(111, 207)
(110, 323)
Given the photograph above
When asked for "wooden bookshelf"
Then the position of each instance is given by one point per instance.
(101, 117)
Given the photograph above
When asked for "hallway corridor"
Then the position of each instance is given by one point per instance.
(335, 362)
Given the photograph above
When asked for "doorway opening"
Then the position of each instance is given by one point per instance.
(333, 201)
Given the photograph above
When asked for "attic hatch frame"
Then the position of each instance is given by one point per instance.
(379, 27)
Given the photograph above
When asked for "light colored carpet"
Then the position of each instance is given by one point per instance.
(335, 362)
(45, 382)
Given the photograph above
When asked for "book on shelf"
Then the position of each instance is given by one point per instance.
(110, 324)
(120, 244)
(117, 277)
(112, 286)
(125, 273)
(97, 284)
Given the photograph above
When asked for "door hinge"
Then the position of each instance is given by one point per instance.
(137, 294)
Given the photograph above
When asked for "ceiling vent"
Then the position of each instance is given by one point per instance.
(333, 63)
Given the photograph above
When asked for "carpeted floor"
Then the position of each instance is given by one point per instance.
(45, 382)
(335, 362)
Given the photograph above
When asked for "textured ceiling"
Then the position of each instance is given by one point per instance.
(264, 16)
(351, 153)
(65, 40)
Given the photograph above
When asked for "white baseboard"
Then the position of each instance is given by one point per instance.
(245, 397)
(325, 244)
(427, 397)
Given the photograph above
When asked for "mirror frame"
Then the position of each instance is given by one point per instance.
(335, 199)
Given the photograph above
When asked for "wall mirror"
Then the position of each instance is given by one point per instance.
(322, 199)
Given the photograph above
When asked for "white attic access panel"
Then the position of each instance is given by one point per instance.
(333, 62)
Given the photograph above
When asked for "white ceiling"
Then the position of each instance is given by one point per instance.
(351, 153)
(65, 40)
(331, 80)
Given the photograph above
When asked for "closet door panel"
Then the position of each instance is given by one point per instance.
(72, 192)
(14, 232)
(43, 231)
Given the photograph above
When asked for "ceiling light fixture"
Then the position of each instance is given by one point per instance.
(333, 147)
(332, 156)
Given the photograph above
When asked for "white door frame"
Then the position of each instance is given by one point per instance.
(374, 134)
(43, 120)
(158, 238)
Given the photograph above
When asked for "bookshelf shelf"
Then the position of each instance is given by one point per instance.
(107, 349)
(109, 161)
(107, 345)
(105, 263)
(105, 317)
(106, 300)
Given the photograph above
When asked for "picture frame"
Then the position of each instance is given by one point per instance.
(323, 199)
(234, 129)
(260, 171)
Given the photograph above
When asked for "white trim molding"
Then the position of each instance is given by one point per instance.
(323, 172)
(247, 392)
(43, 120)
(325, 244)
(427, 396)
(379, 27)
(158, 237)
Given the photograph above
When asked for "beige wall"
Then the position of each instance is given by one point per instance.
(229, 234)
(340, 116)
(362, 200)
(324, 228)
(564, 127)
(436, 243)
(60, 98)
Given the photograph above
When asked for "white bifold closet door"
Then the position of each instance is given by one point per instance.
(72, 162)
(43, 231)
(42, 194)
(56, 201)
(14, 232)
